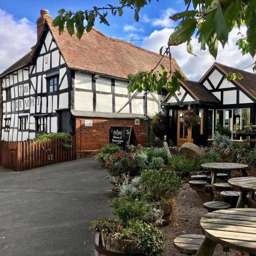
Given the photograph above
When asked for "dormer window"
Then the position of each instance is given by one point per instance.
(52, 83)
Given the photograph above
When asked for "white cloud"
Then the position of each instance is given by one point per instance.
(16, 38)
(195, 66)
(164, 20)
(131, 28)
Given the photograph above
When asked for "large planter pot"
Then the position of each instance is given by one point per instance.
(106, 247)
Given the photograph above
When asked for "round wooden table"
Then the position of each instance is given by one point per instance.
(247, 185)
(215, 167)
(233, 228)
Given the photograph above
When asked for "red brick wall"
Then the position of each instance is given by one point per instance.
(91, 139)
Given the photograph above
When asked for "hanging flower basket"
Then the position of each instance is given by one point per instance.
(190, 118)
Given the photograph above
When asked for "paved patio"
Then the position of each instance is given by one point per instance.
(46, 211)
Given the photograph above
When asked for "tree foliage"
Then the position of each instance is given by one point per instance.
(210, 21)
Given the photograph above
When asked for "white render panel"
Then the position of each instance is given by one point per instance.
(63, 100)
(172, 100)
(20, 75)
(120, 102)
(44, 104)
(207, 85)
(121, 87)
(217, 95)
(48, 40)
(104, 103)
(44, 87)
(83, 101)
(49, 104)
(54, 124)
(180, 93)
(26, 90)
(229, 97)
(27, 103)
(25, 74)
(47, 62)
(39, 64)
(137, 106)
(83, 81)
(226, 84)
(243, 98)
(188, 98)
(215, 77)
(15, 77)
(62, 61)
(153, 107)
(55, 102)
(64, 78)
(53, 45)
(8, 106)
(55, 58)
(103, 85)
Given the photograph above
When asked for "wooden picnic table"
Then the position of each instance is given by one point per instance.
(215, 167)
(233, 228)
(247, 185)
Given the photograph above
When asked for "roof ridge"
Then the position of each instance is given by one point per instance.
(238, 69)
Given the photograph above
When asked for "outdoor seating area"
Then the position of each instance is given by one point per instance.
(231, 218)
(182, 205)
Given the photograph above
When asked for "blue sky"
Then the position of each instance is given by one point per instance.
(18, 19)
(31, 8)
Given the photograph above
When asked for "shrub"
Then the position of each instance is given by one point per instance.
(147, 238)
(106, 151)
(156, 152)
(156, 163)
(210, 156)
(181, 164)
(127, 208)
(251, 157)
(160, 184)
(131, 189)
(121, 163)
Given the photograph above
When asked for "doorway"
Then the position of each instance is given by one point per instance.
(184, 134)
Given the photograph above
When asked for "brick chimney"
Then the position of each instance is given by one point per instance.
(41, 22)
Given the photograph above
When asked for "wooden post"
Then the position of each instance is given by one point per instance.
(207, 247)
(189, 138)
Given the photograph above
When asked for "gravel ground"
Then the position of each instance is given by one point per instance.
(188, 213)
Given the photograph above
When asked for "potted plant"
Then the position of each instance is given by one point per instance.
(130, 233)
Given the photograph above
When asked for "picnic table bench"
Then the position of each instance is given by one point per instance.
(215, 167)
(233, 228)
(247, 185)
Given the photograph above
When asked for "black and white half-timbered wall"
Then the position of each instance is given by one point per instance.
(219, 102)
(63, 79)
(34, 96)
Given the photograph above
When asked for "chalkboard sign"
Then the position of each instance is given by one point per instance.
(122, 136)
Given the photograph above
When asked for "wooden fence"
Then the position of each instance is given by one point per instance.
(30, 154)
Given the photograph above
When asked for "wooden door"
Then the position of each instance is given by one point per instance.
(184, 134)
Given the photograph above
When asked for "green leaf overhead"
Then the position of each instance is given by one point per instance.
(210, 21)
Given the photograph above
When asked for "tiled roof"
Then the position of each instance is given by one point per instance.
(248, 81)
(100, 54)
(24, 61)
(199, 92)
